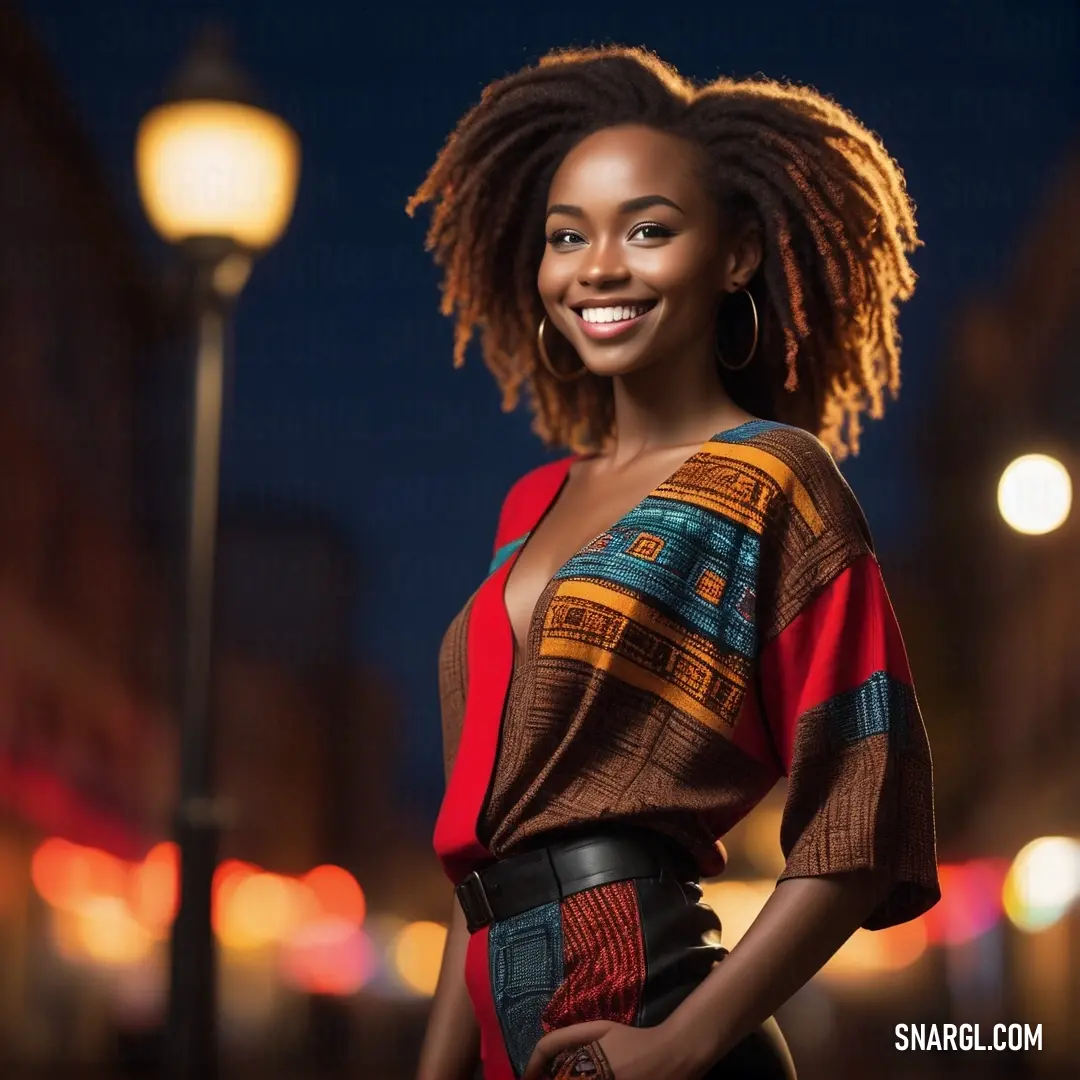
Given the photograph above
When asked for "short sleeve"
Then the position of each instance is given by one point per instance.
(842, 709)
(839, 703)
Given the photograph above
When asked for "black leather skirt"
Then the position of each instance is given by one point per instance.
(675, 922)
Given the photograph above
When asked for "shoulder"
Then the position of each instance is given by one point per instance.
(794, 457)
(802, 486)
(811, 525)
(528, 497)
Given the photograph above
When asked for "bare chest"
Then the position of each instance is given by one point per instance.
(589, 504)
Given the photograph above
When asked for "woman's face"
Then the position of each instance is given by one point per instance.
(630, 227)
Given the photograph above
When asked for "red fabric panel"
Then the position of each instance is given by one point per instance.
(490, 659)
(529, 498)
(751, 735)
(478, 982)
(490, 653)
(845, 633)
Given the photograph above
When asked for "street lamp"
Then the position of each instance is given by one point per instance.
(217, 176)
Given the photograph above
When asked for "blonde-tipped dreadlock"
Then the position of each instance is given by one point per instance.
(832, 205)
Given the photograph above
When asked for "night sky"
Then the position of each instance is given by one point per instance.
(343, 397)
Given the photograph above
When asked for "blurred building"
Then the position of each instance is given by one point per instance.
(94, 371)
(83, 630)
(86, 750)
(999, 653)
(306, 736)
(1003, 643)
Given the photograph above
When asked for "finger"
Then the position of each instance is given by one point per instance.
(587, 1062)
(554, 1043)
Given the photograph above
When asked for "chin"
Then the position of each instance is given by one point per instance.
(609, 366)
(614, 359)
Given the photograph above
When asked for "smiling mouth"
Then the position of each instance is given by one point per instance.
(606, 322)
(614, 312)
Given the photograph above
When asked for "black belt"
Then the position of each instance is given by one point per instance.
(564, 867)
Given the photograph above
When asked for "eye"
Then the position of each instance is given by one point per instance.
(561, 234)
(663, 230)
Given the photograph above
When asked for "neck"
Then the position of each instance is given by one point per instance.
(670, 403)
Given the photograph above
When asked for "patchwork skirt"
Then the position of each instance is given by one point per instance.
(628, 951)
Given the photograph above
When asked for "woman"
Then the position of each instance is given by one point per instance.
(698, 288)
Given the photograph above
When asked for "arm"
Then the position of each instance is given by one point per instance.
(451, 1047)
(802, 924)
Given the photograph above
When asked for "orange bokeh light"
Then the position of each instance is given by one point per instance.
(227, 878)
(154, 890)
(338, 893)
(263, 908)
(67, 875)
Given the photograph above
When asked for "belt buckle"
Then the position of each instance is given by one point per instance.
(471, 891)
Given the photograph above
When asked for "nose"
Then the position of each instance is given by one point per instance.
(604, 263)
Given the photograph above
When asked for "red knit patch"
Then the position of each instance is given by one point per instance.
(603, 958)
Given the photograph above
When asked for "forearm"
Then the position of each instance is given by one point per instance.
(451, 1048)
(802, 924)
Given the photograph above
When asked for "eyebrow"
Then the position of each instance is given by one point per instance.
(642, 202)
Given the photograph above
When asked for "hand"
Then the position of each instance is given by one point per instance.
(633, 1053)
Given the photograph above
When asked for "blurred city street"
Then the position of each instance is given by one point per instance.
(219, 694)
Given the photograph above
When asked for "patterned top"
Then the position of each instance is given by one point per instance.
(730, 629)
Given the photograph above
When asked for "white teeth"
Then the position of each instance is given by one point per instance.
(611, 314)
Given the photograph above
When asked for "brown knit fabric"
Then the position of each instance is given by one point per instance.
(454, 684)
(639, 695)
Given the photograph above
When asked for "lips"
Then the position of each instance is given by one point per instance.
(603, 331)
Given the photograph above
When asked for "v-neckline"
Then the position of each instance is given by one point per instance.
(520, 651)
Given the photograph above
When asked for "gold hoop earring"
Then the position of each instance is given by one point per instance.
(546, 360)
(753, 347)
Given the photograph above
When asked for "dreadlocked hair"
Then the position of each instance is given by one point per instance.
(830, 203)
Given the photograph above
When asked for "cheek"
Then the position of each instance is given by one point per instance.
(692, 281)
(551, 278)
(679, 271)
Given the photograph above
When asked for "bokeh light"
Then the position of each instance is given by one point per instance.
(1035, 494)
(331, 956)
(970, 902)
(337, 892)
(67, 875)
(154, 888)
(762, 835)
(217, 168)
(228, 876)
(109, 933)
(261, 909)
(737, 904)
(869, 952)
(1043, 882)
(417, 954)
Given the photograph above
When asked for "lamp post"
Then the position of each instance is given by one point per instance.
(217, 176)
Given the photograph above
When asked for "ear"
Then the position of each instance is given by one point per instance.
(743, 257)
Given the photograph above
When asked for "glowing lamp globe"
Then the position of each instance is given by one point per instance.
(1035, 494)
(211, 163)
(217, 168)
